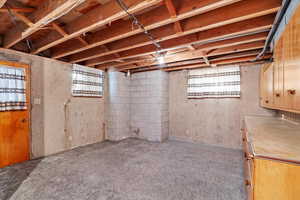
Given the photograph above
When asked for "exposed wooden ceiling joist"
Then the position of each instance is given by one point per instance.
(219, 62)
(19, 10)
(153, 19)
(45, 14)
(242, 59)
(216, 18)
(200, 53)
(232, 30)
(199, 61)
(95, 18)
(189, 32)
(2, 2)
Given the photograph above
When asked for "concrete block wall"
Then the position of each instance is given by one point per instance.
(149, 105)
(117, 106)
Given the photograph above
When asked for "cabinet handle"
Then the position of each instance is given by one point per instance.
(267, 101)
(277, 94)
(292, 92)
(249, 157)
(247, 182)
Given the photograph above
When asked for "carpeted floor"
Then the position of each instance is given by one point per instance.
(129, 170)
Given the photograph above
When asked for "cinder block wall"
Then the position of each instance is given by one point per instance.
(117, 106)
(137, 106)
(149, 105)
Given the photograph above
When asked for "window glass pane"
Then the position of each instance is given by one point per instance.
(87, 81)
(215, 82)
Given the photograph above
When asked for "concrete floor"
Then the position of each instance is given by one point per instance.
(129, 170)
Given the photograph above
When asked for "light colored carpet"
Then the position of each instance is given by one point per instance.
(129, 170)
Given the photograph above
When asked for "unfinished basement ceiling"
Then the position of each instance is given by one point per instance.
(98, 33)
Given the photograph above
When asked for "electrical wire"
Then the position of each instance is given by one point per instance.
(135, 21)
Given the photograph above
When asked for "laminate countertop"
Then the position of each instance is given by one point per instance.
(273, 138)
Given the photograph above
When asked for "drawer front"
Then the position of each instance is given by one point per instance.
(248, 166)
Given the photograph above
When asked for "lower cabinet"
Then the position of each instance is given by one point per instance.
(269, 179)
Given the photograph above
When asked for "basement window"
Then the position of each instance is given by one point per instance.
(214, 82)
(87, 82)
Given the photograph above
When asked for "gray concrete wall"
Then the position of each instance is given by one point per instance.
(213, 121)
(58, 121)
(149, 105)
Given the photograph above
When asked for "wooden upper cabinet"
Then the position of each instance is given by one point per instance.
(291, 54)
(286, 70)
(279, 75)
(267, 85)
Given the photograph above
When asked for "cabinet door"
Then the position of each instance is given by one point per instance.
(292, 88)
(278, 75)
(267, 85)
(263, 90)
(292, 65)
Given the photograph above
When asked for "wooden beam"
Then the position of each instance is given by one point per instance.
(23, 19)
(60, 30)
(2, 2)
(19, 10)
(173, 13)
(178, 28)
(200, 63)
(251, 25)
(216, 18)
(46, 13)
(199, 54)
(95, 18)
(146, 50)
(208, 46)
(153, 19)
(220, 62)
(171, 8)
(82, 40)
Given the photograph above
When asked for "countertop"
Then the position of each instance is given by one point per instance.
(274, 138)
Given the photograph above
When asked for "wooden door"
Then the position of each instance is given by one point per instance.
(15, 127)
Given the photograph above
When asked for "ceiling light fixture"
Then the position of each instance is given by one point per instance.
(161, 59)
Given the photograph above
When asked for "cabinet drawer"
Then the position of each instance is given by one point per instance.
(249, 191)
(246, 146)
(248, 165)
(248, 178)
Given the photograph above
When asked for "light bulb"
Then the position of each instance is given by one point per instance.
(161, 60)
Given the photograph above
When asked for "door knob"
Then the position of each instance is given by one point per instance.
(292, 92)
(23, 120)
